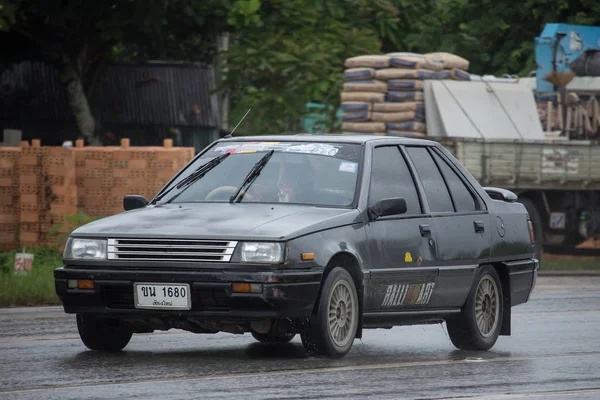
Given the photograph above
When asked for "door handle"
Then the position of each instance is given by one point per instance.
(479, 226)
(425, 230)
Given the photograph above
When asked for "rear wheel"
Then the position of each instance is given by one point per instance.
(102, 334)
(478, 327)
(332, 328)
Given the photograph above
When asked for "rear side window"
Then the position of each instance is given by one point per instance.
(390, 177)
(435, 188)
(462, 196)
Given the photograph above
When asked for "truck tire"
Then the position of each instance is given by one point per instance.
(478, 326)
(333, 336)
(273, 338)
(538, 228)
(102, 334)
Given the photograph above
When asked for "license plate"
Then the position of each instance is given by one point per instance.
(170, 296)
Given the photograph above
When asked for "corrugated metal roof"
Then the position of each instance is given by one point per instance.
(143, 94)
(32, 90)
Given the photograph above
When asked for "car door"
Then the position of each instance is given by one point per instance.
(461, 223)
(401, 247)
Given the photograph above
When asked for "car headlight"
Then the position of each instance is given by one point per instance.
(85, 249)
(261, 252)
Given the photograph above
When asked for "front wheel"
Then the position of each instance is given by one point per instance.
(102, 334)
(478, 327)
(332, 328)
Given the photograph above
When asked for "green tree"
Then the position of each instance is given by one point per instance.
(77, 36)
(497, 37)
(287, 53)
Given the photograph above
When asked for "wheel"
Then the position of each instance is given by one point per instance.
(478, 327)
(536, 221)
(273, 338)
(331, 329)
(102, 334)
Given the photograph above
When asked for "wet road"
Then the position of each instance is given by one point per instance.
(554, 353)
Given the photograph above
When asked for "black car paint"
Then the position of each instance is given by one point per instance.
(239, 221)
(347, 236)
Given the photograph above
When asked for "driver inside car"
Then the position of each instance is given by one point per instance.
(295, 183)
(283, 180)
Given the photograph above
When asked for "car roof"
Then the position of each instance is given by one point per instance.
(331, 138)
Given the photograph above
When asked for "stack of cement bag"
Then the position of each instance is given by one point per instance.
(383, 94)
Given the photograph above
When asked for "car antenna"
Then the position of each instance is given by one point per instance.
(238, 124)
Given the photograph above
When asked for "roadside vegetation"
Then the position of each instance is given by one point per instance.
(35, 288)
(551, 262)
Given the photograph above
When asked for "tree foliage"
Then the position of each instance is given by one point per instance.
(283, 53)
(286, 54)
(78, 36)
(497, 37)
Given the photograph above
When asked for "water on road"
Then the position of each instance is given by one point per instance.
(553, 353)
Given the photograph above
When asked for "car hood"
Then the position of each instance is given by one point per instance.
(220, 221)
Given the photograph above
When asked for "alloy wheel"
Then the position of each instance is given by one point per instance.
(487, 306)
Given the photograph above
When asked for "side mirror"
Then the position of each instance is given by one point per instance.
(133, 201)
(392, 206)
(501, 194)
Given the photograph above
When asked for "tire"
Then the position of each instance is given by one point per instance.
(102, 334)
(464, 331)
(339, 297)
(273, 338)
(538, 228)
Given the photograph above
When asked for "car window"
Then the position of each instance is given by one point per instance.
(320, 174)
(463, 198)
(390, 177)
(435, 188)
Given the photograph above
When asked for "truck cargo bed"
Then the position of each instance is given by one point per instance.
(518, 164)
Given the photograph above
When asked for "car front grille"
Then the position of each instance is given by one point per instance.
(170, 250)
(118, 296)
(211, 299)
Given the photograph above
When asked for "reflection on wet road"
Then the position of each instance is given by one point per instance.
(554, 352)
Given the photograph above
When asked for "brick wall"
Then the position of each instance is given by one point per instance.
(47, 191)
(9, 196)
(40, 185)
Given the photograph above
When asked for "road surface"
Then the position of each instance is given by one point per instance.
(554, 353)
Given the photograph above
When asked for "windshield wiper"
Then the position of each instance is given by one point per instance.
(252, 175)
(193, 177)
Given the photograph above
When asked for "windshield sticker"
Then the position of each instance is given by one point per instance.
(314, 148)
(249, 147)
(346, 166)
(226, 149)
(253, 147)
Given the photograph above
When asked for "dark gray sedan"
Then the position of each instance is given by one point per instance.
(318, 235)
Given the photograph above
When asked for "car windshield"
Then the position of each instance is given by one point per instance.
(320, 174)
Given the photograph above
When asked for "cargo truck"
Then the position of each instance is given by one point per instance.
(515, 133)
(493, 129)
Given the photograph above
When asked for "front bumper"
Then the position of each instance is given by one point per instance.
(286, 294)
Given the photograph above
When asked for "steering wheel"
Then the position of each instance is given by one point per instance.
(225, 193)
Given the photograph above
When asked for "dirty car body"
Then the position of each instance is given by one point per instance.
(318, 235)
